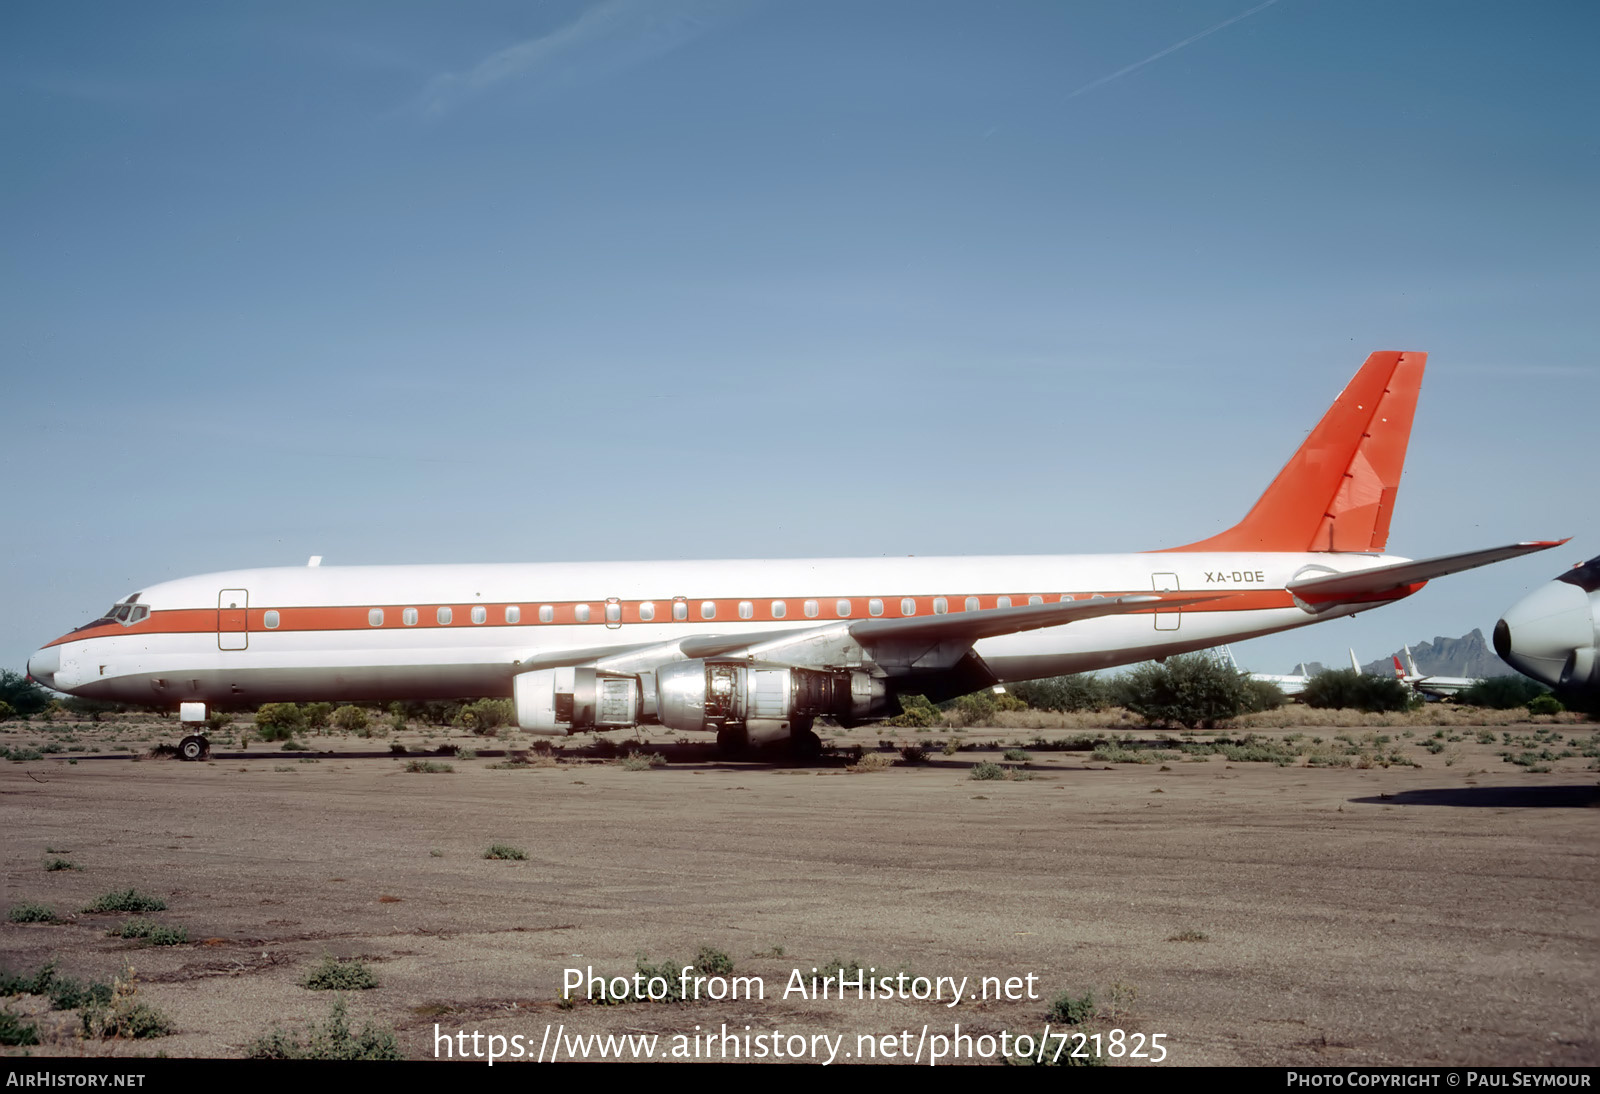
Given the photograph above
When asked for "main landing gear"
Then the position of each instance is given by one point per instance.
(194, 747)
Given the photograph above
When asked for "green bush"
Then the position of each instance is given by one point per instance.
(331, 974)
(713, 962)
(351, 719)
(1070, 1009)
(21, 983)
(21, 695)
(317, 714)
(916, 712)
(127, 900)
(30, 912)
(1082, 691)
(15, 1030)
(1190, 690)
(151, 932)
(1545, 704)
(486, 716)
(505, 851)
(332, 1040)
(279, 721)
(986, 771)
(1502, 692)
(1347, 689)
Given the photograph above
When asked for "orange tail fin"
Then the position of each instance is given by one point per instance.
(1337, 492)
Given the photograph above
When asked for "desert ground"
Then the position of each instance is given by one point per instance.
(1395, 897)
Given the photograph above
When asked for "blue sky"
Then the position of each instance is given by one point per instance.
(727, 278)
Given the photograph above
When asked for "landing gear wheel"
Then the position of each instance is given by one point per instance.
(732, 742)
(194, 747)
(805, 744)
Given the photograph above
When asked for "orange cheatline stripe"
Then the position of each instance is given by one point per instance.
(726, 610)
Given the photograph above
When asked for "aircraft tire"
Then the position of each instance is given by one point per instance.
(194, 747)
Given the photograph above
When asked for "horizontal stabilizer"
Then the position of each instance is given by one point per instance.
(1385, 582)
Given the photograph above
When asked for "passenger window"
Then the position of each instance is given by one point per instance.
(1066, 598)
(581, 613)
(708, 609)
(647, 611)
(547, 613)
(444, 615)
(779, 609)
(908, 606)
(680, 609)
(409, 617)
(875, 607)
(972, 603)
(747, 610)
(270, 621)
(812, 609)
(940, 605)
(1003, 602)
(480, 614)
(1035, 600)
(613, 612)
(842, 607)
(375, 617)
(513, 614)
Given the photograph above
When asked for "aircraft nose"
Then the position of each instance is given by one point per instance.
(1545, 632)
(44, 665)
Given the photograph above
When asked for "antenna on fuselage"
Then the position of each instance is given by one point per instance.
(314, 560)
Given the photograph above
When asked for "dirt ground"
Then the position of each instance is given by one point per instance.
(1249, 913)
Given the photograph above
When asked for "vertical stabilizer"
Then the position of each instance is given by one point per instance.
(1337, 492)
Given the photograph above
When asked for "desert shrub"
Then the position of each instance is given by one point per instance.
(1017, 755)
(127, 900)
(6, 710)
(1262, 695)
(1347, 689)
(15, 1030)
(350, 719)
(643, 761)
(332, 1040)
(150, 932)
(1070, 1009)
(61, 864)
(21, 695)
(25, 983)
(913, 754)
(486, 716)
(871, 761)
(70, 994)
(505, 851)
(331, 974)
(124, 1016)
(986, 771)
(279, 721)
(1190, 690)
(713, 962)
(428, 767)
(317, 714)
(916, 712)
(1545, 704)
(31, 912)
(1082, 691)
(1502, 692)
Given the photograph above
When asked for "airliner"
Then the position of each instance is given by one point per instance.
(758, 651)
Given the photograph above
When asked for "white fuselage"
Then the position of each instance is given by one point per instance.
(454, 631)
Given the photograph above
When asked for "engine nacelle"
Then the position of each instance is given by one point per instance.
(1552, 634)
(556, 702)
(769, 702)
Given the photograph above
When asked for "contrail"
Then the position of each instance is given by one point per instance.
(1121, 72)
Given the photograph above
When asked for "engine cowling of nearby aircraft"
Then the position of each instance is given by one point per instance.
(1551, 634)
(765, 702)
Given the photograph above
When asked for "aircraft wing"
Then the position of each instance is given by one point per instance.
(1383, 582)
(897, 645)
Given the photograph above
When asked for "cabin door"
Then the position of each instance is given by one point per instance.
(1166, 583)
(233, 619)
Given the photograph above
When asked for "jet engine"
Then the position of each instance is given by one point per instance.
(767, 701)
(1552, 633)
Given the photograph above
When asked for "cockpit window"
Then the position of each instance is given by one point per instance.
(125, 611)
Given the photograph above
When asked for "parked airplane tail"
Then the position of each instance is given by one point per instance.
(1337, 492)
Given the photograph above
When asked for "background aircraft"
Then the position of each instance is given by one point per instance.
(1551, 634)
(756, 651)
